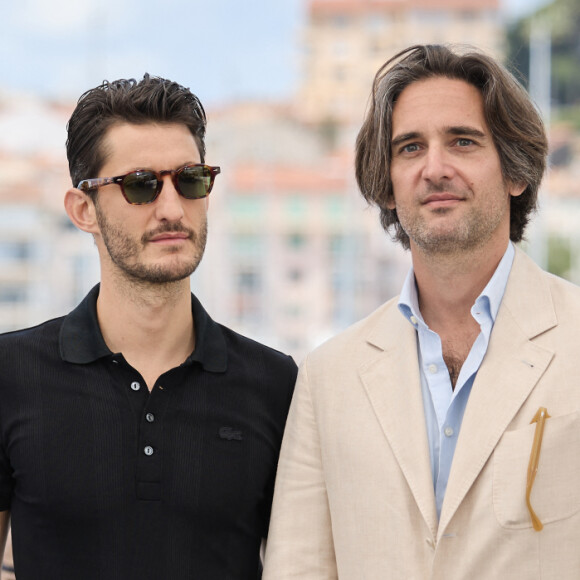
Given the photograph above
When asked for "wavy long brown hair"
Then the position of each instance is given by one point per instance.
(515, 124)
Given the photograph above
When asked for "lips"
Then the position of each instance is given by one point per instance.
(169, 236)
(441, 197)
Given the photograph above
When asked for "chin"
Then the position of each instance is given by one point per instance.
(159, 273)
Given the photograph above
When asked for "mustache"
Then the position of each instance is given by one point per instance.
(441, 188)
(169, 227)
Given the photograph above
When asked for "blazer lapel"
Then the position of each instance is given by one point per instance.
(391, 379)
(511, 368)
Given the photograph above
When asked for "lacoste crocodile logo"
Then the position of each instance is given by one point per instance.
(230, 434)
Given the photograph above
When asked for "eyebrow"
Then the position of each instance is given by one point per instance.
(404, 137)
(456, 130)
(464, 130)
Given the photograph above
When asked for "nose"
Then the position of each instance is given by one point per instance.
(438, 164)
(169, 204)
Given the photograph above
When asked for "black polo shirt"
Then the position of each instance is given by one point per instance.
(106, 480)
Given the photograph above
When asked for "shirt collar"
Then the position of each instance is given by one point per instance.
(489, 299)
(81, 340)
(495, 288)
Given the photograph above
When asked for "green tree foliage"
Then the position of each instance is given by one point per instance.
(562, 17)
(559, 256)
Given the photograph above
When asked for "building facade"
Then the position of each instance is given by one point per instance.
(346, 41)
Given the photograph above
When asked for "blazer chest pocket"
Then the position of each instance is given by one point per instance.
(556, 490)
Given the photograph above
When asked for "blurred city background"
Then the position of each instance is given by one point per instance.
(294, 255)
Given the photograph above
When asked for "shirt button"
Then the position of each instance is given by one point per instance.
(414, 320)
(150, 417)
(448, 431)
(432, 369)
(135, 386)
(148, 450)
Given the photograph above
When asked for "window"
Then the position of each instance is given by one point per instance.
(12, 294)
(14, 251)
(248, 281)
(295, 274)
(296, 241)
(340, 21)
(247, 245)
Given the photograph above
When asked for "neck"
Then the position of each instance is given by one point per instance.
(150, 324)
(448, 285)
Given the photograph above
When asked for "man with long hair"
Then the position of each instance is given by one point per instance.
(438, 438)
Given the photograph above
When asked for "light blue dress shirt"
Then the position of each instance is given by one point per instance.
(443, 406)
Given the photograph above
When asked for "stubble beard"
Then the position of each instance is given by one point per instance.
(454, 235)
(124, 252)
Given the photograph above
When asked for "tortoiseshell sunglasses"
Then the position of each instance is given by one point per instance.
(144, 185)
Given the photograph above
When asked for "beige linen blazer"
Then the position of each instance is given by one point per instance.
(354, 496)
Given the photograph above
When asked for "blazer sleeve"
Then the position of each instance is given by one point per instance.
(300, 543)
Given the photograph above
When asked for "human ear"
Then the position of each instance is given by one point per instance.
(516, 189)
(80, 208)
(390, 202)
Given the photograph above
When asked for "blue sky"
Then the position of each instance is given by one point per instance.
(222, 49)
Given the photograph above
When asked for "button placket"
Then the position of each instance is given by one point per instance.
(150, 462)
(148, 434)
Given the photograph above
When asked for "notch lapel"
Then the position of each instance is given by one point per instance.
(510, 370)
(392, 383)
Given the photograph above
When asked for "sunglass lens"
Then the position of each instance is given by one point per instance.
(194, 182)
(140, 187)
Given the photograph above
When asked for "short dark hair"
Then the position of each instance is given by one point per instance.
(515, 124)
(150, 100)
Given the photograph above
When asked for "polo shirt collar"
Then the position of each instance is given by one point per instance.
(81, 340)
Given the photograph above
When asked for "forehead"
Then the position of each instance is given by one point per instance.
(129, 146)
(438, 103)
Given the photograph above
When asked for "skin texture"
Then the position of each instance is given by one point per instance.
(452, 201)
(159, 242)
(147, 252)
(449, 191)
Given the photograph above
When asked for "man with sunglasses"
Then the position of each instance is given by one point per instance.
(139, 438)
